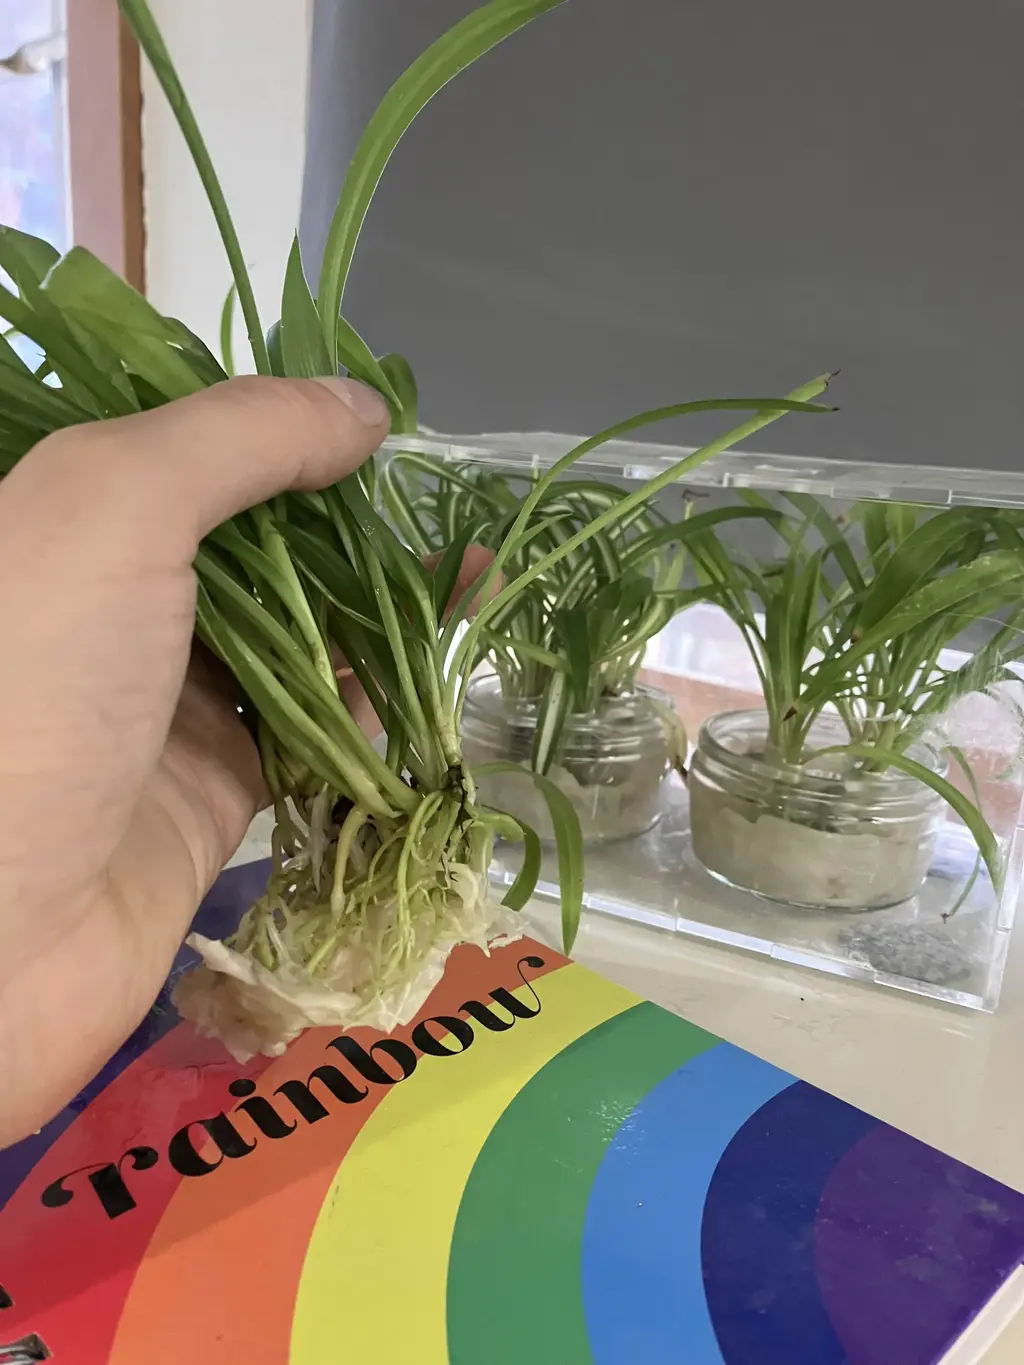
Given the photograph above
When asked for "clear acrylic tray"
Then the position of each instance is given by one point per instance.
(700, 660)
(656, 880)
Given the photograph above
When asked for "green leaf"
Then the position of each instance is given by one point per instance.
(568, 842)
(832, 536)
(275, 354)
(325, 567)
(96, 390)
(29, 402)
(960, 759)
(988, 844)
(203, 361)
(569, 847)
(970, 592)
(227, 319)
(26, 259)
(787, 621)
(519, 893)
(408, 617)
(443, 60)
(572, 632)
(876, 530)
(901, 520)
(362, 364)
(399, 374)
(807, 590)
(98, 300)
(405, 509)
(605, 560)
(396, 558)
(985, 666)
(526, 648)
(1006, 536)
(9, 356)
(447, 475)
(302, 344)
(16, 440)
(288, 647)
(914, 561)
(554, 707)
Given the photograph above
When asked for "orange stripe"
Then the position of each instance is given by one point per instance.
(221, 1273)
(220, 1267)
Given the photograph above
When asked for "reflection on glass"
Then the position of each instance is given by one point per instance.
(32, 172)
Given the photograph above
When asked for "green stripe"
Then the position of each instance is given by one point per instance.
(514, 1271)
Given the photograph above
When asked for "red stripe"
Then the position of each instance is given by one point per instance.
(71, 1269)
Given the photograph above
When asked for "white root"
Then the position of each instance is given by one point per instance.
(254, 1010)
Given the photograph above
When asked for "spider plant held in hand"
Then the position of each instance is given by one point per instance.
(380, 860)
(861, 632)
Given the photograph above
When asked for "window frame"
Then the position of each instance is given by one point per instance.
(103, 127)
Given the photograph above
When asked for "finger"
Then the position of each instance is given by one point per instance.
(359, 704)
(475, 563)
(182, 469)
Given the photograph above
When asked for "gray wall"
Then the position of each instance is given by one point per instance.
(638, 201)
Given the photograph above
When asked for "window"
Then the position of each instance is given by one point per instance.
(33, 181)
(70, 141)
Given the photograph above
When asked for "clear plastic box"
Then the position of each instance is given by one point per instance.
(701, 661)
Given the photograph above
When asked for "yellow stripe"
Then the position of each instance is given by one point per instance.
(373, 1285)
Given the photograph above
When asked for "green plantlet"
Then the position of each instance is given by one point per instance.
(832, 628)
(380, 860)
(576, 637)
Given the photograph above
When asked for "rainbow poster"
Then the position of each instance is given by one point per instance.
(540, 1168)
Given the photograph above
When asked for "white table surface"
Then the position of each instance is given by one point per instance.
(953, 1078)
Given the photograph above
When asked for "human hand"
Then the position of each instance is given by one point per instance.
(127, 779)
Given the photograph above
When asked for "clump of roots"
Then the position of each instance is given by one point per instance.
(357, 921)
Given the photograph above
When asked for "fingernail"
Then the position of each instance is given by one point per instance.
(365, 403)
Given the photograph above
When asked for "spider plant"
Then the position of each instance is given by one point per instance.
(861, 629)
(577, 635)
(380, 860)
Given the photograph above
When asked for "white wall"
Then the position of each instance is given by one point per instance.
(244, 64)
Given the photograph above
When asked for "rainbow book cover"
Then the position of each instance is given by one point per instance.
(541, 1168)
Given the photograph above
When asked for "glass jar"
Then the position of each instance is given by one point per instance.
(825, 835)
(612, 763)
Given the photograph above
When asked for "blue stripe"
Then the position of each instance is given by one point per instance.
(643, 1286)
(759, 1242)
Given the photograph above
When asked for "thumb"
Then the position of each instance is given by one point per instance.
(184, 468)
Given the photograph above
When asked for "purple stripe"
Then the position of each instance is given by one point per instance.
(909, 1246)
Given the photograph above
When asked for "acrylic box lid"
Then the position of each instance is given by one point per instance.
(844, 480)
